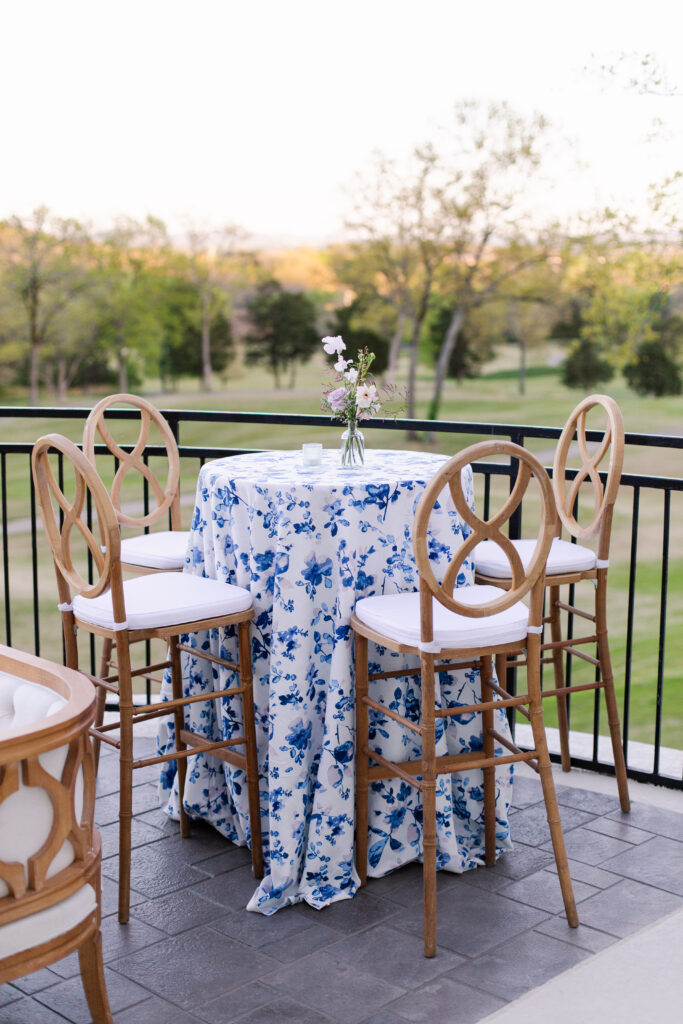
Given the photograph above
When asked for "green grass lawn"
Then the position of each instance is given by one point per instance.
(494, 397)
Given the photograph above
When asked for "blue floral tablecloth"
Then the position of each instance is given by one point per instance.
(308, 545)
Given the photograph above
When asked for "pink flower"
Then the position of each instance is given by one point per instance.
(351, 375)
(340, 365)
(337, 399)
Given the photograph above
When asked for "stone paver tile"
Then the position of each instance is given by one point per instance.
(587, 873)
(156, 869)
(591, 847)
(145, 798)
(31, 983)
(9, 994)
(586, 800)
(384, 1017)
(526, 792)
(110, 897)
(658, 862)
(191, 968)
(285, 1011)
(231, 857)
(155, 1011)
(333, 987)
(442, 999)
(28, 1011)
(352, 915)
(586, 938)
(542, 890)
(653, 819)
(404, 886)
(519, 862)
(530, 825)
(515, 967)
(227, 1008)
(120, 939)
(68, 997)
(619, 830)
(299, 945)
(203, 842)
(626, 907)
(140, 835)
(232, 890)
(257, 930)
(178, 911)
(471, 921)
(395, 956)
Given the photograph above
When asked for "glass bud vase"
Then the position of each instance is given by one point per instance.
(352, 448)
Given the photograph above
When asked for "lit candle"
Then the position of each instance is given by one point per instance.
(312, 454)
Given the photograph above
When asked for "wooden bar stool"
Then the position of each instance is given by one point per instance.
(50, 851)
(147, 552)
(470, 626)
(162, 606)
(569, 564)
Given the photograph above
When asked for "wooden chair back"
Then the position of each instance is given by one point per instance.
(166, 496)
(449, 477)
(105, 552)
(603, 497)
(27, 887)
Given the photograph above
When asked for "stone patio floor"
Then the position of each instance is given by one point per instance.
(191, 953)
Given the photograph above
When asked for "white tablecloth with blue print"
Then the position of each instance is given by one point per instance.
(308, 545)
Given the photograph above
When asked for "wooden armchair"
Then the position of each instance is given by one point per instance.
(49, 849)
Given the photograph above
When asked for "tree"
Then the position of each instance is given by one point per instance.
(348, 322)
(209, 251)
(473, 345)
(44, 269)
(283, 329)
(399, 229)
(494, 157)
(655, 368)
(585, 366)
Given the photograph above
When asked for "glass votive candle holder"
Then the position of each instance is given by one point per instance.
(312, 454)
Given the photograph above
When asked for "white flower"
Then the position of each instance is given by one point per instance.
(340, 365)
(351, 375)
(366, 396)
(333, 346)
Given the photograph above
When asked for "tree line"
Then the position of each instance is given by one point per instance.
(446, 259)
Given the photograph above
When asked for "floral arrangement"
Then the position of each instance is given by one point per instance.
(355, 397)
(352, 396)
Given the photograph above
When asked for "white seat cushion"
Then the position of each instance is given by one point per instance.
(45, 925)
(23, 703)
(165, 599)
(490, 559)
(398, 616)
(164, 550)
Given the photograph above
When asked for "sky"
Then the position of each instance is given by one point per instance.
(260, 112)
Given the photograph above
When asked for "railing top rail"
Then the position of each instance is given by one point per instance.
(319, 420)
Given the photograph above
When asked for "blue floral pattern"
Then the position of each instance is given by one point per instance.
(308, 545)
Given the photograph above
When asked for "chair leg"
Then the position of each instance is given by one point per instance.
(251, 752)
(558, 669)
(488, 744)
(362, 741)
(428, 770)
(545, 771)
(179, 722)
(125, 773)
(607, 678)
(101, 696)
(92, 976)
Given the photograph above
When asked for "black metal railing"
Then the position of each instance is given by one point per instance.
(28, 580)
